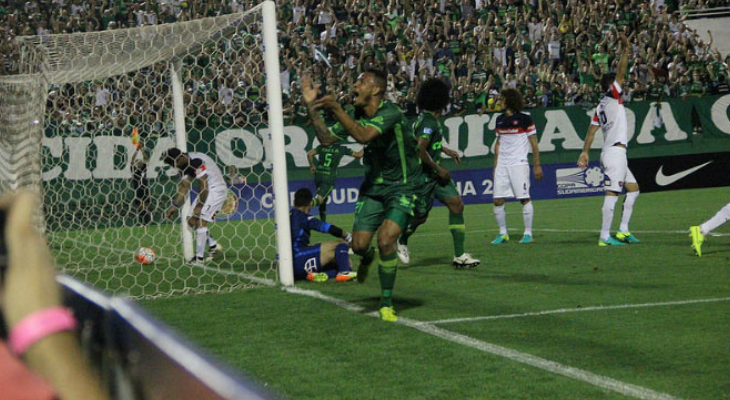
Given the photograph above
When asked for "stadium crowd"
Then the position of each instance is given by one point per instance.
(553, 52)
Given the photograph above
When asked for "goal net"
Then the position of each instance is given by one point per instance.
(106, 105)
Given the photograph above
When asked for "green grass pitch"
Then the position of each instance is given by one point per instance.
(557, 319)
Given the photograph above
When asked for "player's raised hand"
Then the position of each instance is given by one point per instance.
(583, 160)
(309, 89)
(328, 102)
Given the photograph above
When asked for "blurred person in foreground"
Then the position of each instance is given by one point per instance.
(41, 331)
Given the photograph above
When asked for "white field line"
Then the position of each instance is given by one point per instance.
(604, 382)
(582, 309)
(263, 281)
(550, 230)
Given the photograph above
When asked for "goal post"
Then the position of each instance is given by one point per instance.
(276, 124)
(197, 85)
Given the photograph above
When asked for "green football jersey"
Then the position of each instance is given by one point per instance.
(328, 158)
(392, 157)
(428, 127)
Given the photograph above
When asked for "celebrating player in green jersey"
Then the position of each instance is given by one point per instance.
(325, 172)
(392, 171)
(432, 99)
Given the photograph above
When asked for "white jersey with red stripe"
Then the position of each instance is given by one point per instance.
(201, 165)
(513, 132)
(610, 115)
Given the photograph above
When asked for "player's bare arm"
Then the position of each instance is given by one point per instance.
(203, 196)
(309, 96)
(442, 172)
(362, 134)
(496, 156)
(536, 167)
(624, 61)
(179, 197)
(583, 159)
(451, 153)
(310, 158)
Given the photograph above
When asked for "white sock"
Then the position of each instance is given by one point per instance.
(211, 242)
(501, 217)
(609, 203)
(527, 213)
(713, 223)
(201, 235)
(628, 209)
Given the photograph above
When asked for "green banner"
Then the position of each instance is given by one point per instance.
(72, 159)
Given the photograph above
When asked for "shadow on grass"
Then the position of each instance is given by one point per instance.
(400, 303)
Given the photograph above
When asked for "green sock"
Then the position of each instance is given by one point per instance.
(410, 230)
(458, 232)
(387, 270)
(323, 212)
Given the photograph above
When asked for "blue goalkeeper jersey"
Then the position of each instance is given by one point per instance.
(301, 224)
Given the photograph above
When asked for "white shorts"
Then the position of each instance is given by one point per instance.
(213, 203)
(512, 181)
(616, 169)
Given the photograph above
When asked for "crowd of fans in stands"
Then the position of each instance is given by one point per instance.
(554, 52)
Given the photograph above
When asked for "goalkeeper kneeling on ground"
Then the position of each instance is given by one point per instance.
(321, 261)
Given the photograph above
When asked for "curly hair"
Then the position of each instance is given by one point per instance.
(513, 100)
(433, 95)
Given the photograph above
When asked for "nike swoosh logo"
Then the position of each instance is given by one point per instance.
(664, 180)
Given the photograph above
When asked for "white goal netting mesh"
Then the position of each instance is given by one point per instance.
(104, 196)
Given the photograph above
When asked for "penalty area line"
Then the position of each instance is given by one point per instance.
(581, 309)
(601, 381)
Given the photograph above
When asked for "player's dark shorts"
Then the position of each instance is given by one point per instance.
(379, 202)
(325, 183)
(306, 260)
(430, 191)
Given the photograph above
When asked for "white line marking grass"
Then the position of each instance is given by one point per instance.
(582, 309)
(604, 382)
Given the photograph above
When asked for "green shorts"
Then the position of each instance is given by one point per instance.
(377, 203)
(325, 184)
(430, 191)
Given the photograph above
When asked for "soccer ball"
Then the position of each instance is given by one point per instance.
(145, 255)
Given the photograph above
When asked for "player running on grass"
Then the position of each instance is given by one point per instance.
(211, 197)
(392, 172)
(432, 99)
(610, 116)
(516, 134)
(325, 171)
(698, 233)
(321, 261)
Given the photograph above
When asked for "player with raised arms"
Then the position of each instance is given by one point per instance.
(432, 98)
(610, 116)
(516, 134)
(392, 171)
(211, 197)
(322, 261)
